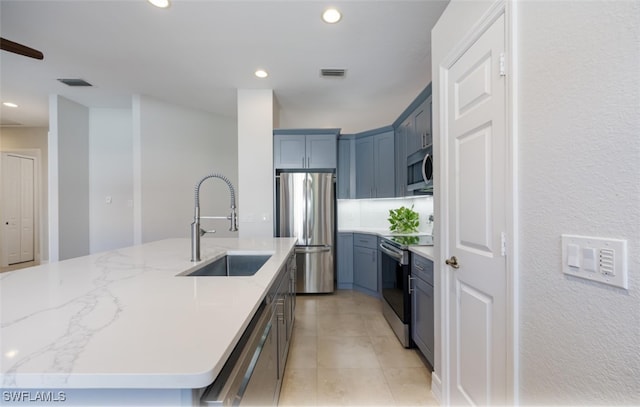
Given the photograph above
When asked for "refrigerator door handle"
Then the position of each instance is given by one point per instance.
(310, 208)
(313, 249)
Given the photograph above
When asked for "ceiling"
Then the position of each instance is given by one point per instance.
(197, 53)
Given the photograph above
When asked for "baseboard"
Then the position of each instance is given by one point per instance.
(436, 387)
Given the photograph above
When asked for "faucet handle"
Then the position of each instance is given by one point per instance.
(203, 232)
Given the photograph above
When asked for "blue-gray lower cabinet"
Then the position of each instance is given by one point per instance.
(345, 261)
(365, 263)
(422, 306)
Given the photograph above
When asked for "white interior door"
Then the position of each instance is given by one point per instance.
(18, 208)
(27, 212)
(476, 143)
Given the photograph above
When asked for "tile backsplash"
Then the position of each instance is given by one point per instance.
(373, 213)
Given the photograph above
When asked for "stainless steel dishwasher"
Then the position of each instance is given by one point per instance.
(250, 376)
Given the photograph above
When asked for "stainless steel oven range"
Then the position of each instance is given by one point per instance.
(396, 271)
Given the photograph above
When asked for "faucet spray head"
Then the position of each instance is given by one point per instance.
(234, 220)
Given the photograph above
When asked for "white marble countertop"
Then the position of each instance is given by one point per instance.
(123, 319)
(425, 251)
(428, 252)
(370, 231)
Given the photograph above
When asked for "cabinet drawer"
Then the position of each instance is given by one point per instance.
(364, 240)
(422, 268)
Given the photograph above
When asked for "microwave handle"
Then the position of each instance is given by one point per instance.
(424, 165)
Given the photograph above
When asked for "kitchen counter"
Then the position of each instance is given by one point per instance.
(424, 251)
(370, 231)
(428, 252)
(124, 319)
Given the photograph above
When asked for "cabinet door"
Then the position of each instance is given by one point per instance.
(420, 123)
(423, 123)
(422, 329)
(412, 139)
(364, 168)
(365, 273)
(344, 169)
(345, 260)
(429, 124)
(289, 151)
(422, 268)
(384, 165)
(281, 322)
(401, 162)
(321, 151)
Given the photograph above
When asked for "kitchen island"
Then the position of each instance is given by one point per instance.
(129, 320)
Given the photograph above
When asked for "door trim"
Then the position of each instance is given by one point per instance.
(441, 384)
(35, 155)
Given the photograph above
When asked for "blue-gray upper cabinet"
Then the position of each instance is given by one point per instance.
(413, 132)
(300, 151)
(420, 134)
(345, 175)
(401, 159)
(345, 261)
(375, 166)
(365, 181)
(423, 126)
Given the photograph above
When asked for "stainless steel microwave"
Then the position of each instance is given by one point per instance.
(420, 171)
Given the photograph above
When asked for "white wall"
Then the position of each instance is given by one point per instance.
(578, 171)
(68, 179)
(374, 213)
(579, 138)
(27, 140)
(111, 173)
(255, 162)
(174, 147)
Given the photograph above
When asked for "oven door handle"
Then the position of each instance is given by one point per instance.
(390, 252)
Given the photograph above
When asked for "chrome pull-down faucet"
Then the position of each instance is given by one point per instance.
(196, 231)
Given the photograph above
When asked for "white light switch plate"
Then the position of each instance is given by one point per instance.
(600, 259)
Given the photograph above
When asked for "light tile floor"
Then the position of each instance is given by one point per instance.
(343, 353)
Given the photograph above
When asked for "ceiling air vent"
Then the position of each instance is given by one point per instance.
(75, 82)
(333, 73)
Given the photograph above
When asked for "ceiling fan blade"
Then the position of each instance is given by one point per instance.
(16, 48)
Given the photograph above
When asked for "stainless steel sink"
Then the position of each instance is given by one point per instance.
(236, 265)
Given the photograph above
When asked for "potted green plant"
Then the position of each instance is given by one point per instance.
(403, 220)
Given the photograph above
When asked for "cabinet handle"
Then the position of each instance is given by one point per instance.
(280, 302)
(409, 282)
(419, 267)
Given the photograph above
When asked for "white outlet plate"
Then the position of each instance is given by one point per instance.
(610, 265)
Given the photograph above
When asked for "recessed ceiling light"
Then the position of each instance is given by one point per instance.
(261, 73)
(160, 3)
(331, 16)
(9, 104)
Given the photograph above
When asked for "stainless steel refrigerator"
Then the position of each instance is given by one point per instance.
(306, 210)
